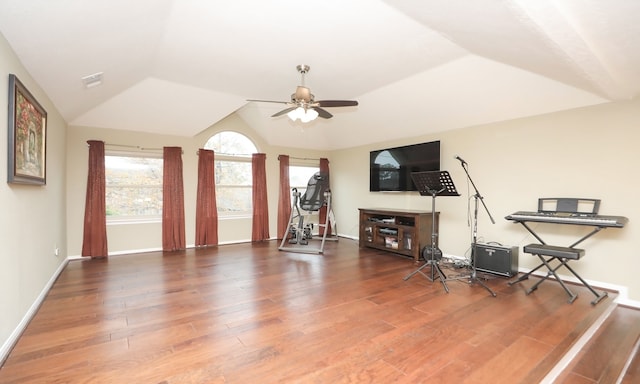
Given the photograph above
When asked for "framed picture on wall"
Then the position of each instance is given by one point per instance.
(27, 163)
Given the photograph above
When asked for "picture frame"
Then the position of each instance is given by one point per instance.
(27, 152)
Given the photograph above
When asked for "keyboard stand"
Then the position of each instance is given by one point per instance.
(548, 253)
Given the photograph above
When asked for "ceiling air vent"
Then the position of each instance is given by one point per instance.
(92, 80)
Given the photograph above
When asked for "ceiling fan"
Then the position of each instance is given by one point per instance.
(303, 106)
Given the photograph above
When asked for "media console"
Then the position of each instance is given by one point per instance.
(400, 231)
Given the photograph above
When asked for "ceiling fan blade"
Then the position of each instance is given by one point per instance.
(337, 103)
(269, 101)
(283, 112)
(323, 113)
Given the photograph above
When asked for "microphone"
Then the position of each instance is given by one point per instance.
(460, 158)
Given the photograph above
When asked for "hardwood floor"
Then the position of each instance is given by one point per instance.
(608, 351)
(248, 313)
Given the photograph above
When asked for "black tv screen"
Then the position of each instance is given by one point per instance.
(390, 169)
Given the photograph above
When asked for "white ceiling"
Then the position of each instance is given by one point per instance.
(178, 66)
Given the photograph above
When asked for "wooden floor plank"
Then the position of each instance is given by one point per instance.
(605, 355)
(249, 313)
(632, 375)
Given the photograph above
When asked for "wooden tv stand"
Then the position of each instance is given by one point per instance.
(401, 231)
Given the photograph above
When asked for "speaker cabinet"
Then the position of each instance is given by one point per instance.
(498, 260)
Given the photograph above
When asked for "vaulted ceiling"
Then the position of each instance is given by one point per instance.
(178, 66)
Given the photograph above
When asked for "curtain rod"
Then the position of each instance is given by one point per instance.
(122, 145)
(300, 158)
(249, 155)
(229, 154)
(135, 147)
(197, 152)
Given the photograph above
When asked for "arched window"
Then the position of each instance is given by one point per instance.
(233, 172)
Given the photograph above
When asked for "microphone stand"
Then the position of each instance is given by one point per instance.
(477, 196)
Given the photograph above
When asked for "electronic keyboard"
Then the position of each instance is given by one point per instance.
(569, 218)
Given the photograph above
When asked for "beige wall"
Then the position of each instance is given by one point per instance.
(32, 218)
(588, 153)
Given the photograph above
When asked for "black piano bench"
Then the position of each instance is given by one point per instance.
(546, 254)
(552, 250)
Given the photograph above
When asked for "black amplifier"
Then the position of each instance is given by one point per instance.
(497, 259)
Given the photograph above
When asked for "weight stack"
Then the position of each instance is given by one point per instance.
(497, 260)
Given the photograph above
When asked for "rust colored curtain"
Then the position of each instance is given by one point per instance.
(260, 226)
(94, 239)
(173, 231)
(206, 207)
(324, 169)
(284, 200)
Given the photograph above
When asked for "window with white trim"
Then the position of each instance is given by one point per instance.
(133, 188)
(233, 172)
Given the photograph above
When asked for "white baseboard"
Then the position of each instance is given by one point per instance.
(118, 253)
(145, 250)
(8, 345)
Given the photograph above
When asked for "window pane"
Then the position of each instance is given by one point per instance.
(233, 173)
(134, 201)
(231, 143)
(133, 186)
(233, 200)
(299, 176)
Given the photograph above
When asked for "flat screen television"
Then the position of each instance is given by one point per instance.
(390, 169)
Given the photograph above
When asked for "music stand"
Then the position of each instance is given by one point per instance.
(433, 183)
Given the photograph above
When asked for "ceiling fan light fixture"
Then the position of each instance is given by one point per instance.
(310, 115)
(296, 114)
(305, 115)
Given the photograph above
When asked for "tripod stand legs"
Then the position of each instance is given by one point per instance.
(436, 272)
(435, 269)
(474, 278)
(431, 260)
(470, 278)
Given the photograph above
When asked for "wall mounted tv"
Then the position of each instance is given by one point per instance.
(390, 169)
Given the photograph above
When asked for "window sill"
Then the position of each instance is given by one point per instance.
(235, 217)
(134, 221)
